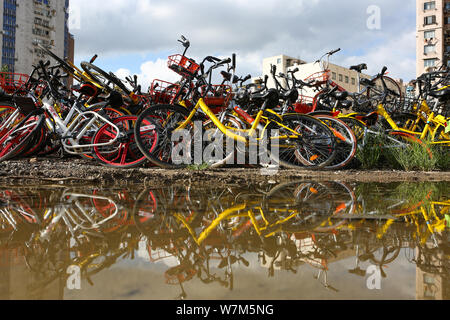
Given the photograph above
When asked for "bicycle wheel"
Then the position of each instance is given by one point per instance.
(37, 144)
(376, 92)
(107, 80)
(347, 143)
(123, 153)
(17, 139)
(67, 68)
(166, 118)
(314, 147)
(220, 157)
(357, 127)
(107, 112)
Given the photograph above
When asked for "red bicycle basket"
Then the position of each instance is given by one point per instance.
(218, 97)
(10, 82)
(163, 92)
(319, 78)
(305, 104)
(182, 65)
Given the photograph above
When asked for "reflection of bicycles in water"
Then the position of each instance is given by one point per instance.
(258, 222)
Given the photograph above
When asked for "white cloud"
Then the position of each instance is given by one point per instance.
(150, 71)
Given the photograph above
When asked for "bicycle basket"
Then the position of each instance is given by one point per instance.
(218, 97)
(163, 92)
(319, 78)
(182, 65)
(10, 82)
(305, 105)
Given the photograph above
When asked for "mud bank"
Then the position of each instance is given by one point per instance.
(80, 171)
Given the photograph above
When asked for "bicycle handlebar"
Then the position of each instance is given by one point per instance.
(334, 51)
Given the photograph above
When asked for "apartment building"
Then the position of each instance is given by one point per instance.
(282, 62)
(433, 34)
(27, 23)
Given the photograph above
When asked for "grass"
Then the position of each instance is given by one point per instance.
(418, 157)
(369, 155)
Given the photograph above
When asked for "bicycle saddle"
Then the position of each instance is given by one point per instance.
(114, 99)
(227, 76)
(270, 96)
(369, 119)
(86, 89)
(359, 68)
(340, 96)
(290, 95)
(367, 82)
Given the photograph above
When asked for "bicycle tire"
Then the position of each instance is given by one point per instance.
(358, 127)
(347, 144)
(313, 150)
(124, 153)
(168, 118)
(89, 68)
(64, 65)
(17, 139)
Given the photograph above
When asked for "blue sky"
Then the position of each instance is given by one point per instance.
(136, 36)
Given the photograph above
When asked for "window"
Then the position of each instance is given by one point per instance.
(429, 5)
(341, 78)
(333, 75)
(353, 81)
(279, 61)
(447, 6)
(429, 62)
(429, 49)
(346, 79)
(429, 34)
(447, 20)
(429, 20)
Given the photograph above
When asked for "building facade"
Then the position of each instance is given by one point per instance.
(433, 34)
(27, 23)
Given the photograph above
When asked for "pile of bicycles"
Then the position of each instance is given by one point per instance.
(198, 121)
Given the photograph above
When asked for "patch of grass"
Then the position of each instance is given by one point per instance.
(370, 152)
(416, 157)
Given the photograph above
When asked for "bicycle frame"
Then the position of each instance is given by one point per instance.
(229, 132)
(428, 129)
(66, 128)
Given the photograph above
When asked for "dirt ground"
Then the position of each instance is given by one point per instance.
(80, 171)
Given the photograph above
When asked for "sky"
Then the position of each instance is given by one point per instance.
(137, 36)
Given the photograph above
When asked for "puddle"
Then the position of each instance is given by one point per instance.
(304, 240)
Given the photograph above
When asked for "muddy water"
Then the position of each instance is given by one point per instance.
(305, 240)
